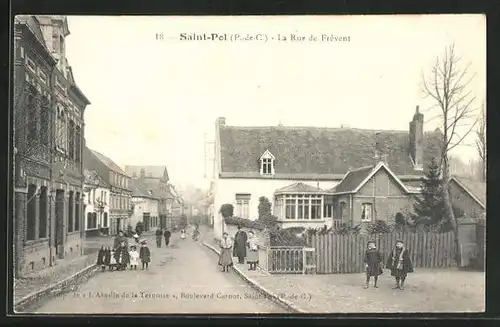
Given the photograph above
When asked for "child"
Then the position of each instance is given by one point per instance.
(145, 255)
(134, 257)
(107, 257)
(373, 259)
(400, 264)
(100, 258)
(112, 261)
(183, 234)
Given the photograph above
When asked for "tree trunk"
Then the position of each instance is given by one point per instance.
(448, 210)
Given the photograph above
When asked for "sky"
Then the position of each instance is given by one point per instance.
(155, 101)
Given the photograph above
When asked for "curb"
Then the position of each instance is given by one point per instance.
(270, 295)
(55, 289)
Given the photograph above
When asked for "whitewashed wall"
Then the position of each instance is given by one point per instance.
(142, 205)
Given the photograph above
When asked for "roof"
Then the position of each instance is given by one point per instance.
(34, 26)
(312, 150)
(477, 190)
(108, 162)
(150, 171)
(93, 178)
(298, 188)
(141, 189)
(355, 179)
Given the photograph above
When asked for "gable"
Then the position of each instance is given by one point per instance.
(472, 189)
(306, 150)
(267, 155)
(382, 184)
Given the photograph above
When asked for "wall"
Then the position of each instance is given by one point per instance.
(464, 201)
(225, 191)
(385, 195)
(142, 205)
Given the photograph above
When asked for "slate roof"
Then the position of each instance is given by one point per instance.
(141, 189)
(299, 188)
(150, 171)
(312, 150)
(474, 188)
(108, 162)
(93, 178)
(353, 178)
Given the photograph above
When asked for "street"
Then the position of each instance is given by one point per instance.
(183, 278)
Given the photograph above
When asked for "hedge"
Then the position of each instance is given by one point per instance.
(243, 222)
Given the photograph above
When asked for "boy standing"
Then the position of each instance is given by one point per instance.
(144, 255)
(373, 260)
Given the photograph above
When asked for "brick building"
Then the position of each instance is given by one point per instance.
(48, 136)
(118, 182)
(299, 168)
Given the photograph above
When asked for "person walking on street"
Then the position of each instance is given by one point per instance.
(400, 264)
(101, 256)
(158, 237)
(145, 255)
(225, 259)
(373, 260)
(240, 243)
(196, 233)
(252, 251)
(167, 237)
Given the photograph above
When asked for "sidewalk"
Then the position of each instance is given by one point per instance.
(427, 290)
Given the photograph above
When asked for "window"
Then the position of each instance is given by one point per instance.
(243, 205)
(366, 212)
(31, 213)
(42, 231)
(70, 212)
(78, 144)
(77, 212)
(32, 114)
(290, 211)
(267, 163)
(105, 222)
(328, 211)
(89, 220)
(303, 206)
(71, 139)
(61, 130)
(316, 208)
(45, 123)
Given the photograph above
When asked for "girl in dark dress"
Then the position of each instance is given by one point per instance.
(373, 260)
(144, 255)
(107, 256)
(100, 258)
(400, 264)
(166, 235)
(122, 256)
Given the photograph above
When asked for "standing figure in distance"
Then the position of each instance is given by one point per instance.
(373, 260)
(121, 256)
(252, 251)
(145, 255)
(225, 259)
(240, 243)
(196, 233)
(159, 235)
(134, 257)
(183, 233)
(101, 258)
(400, 264)
(167, 235)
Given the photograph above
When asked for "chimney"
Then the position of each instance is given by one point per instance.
(221, 121)
(416, 140)
(378, 153)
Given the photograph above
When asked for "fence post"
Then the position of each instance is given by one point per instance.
(304, 262)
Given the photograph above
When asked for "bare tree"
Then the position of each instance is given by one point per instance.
(481, 142)
(448, 85)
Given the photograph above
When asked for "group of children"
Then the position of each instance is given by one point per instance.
(122, 256)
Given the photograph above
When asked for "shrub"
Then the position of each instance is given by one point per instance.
(139, 227)
(226, 210)
(378, 227)
(264, 207)
(243, 222)
(288, 237)
(347, 230)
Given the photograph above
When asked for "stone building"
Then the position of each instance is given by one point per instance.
(120, 192)
(48, 136)
(96, 200)
(145, 204)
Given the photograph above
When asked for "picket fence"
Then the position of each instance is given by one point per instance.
(345, 253)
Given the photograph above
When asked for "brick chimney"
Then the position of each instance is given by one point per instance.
(378, 154)
(416, 140)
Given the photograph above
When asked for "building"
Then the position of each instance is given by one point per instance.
(468, 195)
(48, 136)
(156, 179)
(145, 206)
(97, 199)
(120, 192)
(302, 165)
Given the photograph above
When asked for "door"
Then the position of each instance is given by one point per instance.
(59, 224)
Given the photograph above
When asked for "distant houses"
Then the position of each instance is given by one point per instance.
(145, 206)
(120, 192)
(320, 176)
(97, 204)
(469, 196)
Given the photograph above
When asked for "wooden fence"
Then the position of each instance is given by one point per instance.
(345, 253)
(287, 259)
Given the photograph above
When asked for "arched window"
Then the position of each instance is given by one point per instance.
(89, 220)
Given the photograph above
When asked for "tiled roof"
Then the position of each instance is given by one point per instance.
(352, 180)
(299, 188)
(93, 178)
(109, 163)
(311, 150)
(150, 171)
(141, 189)
(474, 188)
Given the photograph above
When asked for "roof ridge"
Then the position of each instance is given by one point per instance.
(315, 127)
(361, 168)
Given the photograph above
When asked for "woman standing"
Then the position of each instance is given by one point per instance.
(400, 264)
(121, 256)
(225, 259)
(240, 243)
(252, 251)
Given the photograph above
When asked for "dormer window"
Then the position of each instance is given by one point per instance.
(267, 163)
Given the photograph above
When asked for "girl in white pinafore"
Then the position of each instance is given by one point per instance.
(134, 257)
